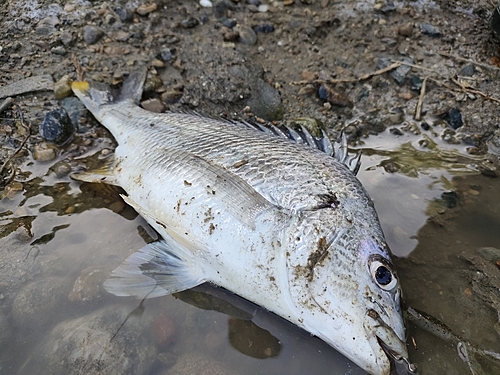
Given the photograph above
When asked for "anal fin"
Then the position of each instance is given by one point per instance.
(156, 270)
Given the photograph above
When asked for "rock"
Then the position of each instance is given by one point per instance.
(166, 54)
(454, 118)
(88, 286)
(66, 38)
(327, 93)
(406, 30)
(145, 9)
(153, 105)
(266, 102)
(247, 35)
(171, 96)
(164, 329)
(189, 23)
(75, 109)
(57, 127)
(399, 74)
(92, 34)
(229, 35)
(95, 344)
(428, 29)
(125, 14)
(62, 88)
(491, 254)
(59, 50)
(219, 10)
(264, 28)
(467, 71)
(35, 303)
(42, 152)
(307, 75)
(153, 83)
(229, 22)
(61, 169)
(198, 364)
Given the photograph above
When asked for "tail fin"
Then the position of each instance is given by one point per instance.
(96, 95)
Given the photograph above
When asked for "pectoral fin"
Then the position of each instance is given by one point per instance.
(101, 175)
(158, 269)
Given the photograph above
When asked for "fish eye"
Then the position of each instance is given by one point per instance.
(383, 275)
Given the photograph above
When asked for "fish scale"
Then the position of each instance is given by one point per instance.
(274, 220)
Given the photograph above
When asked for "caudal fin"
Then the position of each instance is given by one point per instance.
(96, 95)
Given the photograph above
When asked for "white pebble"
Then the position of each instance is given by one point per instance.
(206, 3)
(263, 8)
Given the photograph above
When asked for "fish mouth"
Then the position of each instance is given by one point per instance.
(402, 363)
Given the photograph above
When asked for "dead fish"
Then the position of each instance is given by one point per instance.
(263, 213)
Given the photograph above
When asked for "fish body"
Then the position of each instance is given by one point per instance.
(281, 224)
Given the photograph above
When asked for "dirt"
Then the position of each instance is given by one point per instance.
(316, 59)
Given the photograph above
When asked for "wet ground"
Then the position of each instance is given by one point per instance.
(432, 181)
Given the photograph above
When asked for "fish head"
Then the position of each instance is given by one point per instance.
(351, 300)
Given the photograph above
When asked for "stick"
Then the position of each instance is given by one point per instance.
(350, 80)
(420, 100)
(28, 129)
(477, 92)
(78, 68)
(491, 67)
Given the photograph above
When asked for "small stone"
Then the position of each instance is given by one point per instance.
(454, 118)
(145, 9)
(428, 29)
(266, 102)
(157, 63)
(288, 2)
(189, 23)
(171, 96)
(124, 14)
(164, 329)
(247, 35)
(153, 105)
(166, 54)
(206, 3)
(264, 28)
(467, 71)
(406, 30)
(405, 95)
(61, 169)
(219, 10)
(57, 127)
(66, 38)
(42, 152)
(229, 35)
(307, 75)
(69, 8)
(92, 34)
(59, 50)
(229, 22)
(62, 88)
(327, 93)
(88, 286)
(75, 109)
(263, 8)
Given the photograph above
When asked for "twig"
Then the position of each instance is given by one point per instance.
(491, 67)
(6, 104)
(477, 92)
(421, 68)
(350, 80)
(78, 68)
(420, 100)
(28, 134)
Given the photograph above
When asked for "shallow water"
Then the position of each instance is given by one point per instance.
(56, 231)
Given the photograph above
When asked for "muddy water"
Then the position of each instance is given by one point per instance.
(60, 239)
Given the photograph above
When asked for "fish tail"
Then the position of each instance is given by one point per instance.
(94, 96)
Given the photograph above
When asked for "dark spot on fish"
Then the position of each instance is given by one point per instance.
(272, 278)
(178, 207)
(316, 257)
(151, 124)
(187, 183)
(161, 224)
(328, 200)
(210, 190)
(240, 163)
(211, 228)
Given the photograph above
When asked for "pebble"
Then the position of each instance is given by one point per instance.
(59, 50)
(154, 105)
(42, 152)
(66, 37)
(92, 34)
(145, 9)
(125, 14)
(467, 71)
(88, 286)
(153, 83)
(206, 3)
(171, 96)
(428, 29)
(166, 54)
(247, 35)
(229, 35)
(399, 74)
(264, 28)
(266, 102)
(157, 63)
(61, 169)
(229, 22)
(164, 329)
(327, 93)
(307, 75)
(62, 88)
(57, 127)
(75, 109)
(219, 10)
(454, 118)
(189, 23)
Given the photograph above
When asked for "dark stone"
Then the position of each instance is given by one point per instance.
(266, 102)
(467, 71)
(428, 29)
(92, 34)
(449, 199)
(254, 2)
(322, 92)
(125, 14)
(416, 82)
(395, 131)
(166, 54)
(425, 126)
(247, 35)
(264, 28)
(229, 22)
(59, 50)
(75, 109)
(495, 20)
(219, 10)
(400, 73)
(389, 7)
(454, 118)
(57, 127)
(189, 23)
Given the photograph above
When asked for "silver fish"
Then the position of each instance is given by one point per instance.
(273, 220)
